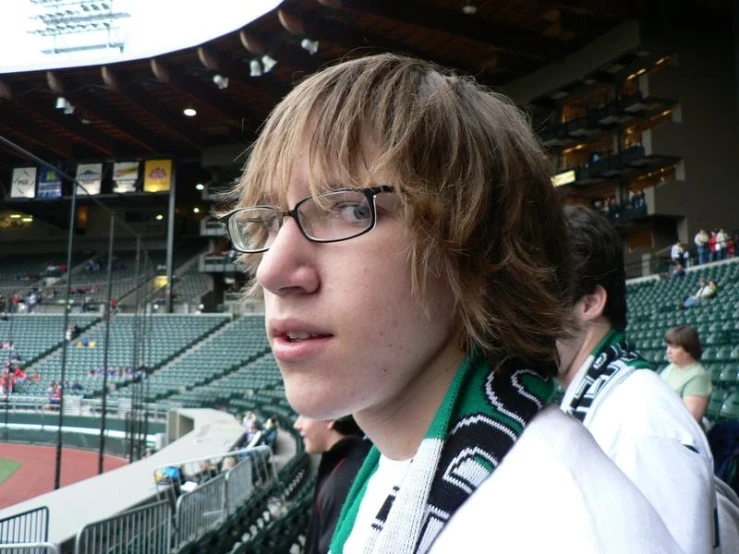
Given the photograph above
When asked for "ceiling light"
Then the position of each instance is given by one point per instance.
(220, 81)
(200, 186)
(15, 216)
(27, 220)
(269, 62)
(196, 210)
(159, 217)
(255, 68)
(61, 102)
(311, 46)
(469, 9)
(190, 112)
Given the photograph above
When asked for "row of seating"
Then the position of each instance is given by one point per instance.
(653, 310)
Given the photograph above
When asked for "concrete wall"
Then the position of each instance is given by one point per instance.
(708, 136)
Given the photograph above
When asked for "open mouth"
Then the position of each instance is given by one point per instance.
(301, 336)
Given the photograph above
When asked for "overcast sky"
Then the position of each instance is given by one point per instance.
(155, 27)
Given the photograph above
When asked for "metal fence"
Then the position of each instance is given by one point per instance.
(27, 527)
(201, 510)
(29, 548)
(205, 491)
(145, 530)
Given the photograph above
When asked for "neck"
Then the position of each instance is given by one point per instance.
(685, 363)
(398, 426)
(583, 345)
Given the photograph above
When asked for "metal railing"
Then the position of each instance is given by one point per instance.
(29, 548)
(201, 510)
(27, 527)
(205, 491)
(145, 530)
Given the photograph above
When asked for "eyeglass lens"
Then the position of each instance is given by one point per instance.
(329, 217)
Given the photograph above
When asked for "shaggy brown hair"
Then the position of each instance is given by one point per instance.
(471, 177)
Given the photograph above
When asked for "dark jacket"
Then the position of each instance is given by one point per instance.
(336, 473)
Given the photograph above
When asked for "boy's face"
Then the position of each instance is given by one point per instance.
(347, 331)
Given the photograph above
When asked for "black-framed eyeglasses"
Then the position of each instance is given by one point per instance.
(333, 216)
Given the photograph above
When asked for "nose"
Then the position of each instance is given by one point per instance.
(298, 423)
(289, 265)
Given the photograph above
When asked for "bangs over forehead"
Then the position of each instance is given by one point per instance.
(359, 121)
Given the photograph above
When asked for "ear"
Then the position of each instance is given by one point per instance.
(591, 306)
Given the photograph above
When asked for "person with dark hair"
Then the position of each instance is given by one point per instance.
(685, 374)
(411, 250)
(343, 450)
(635, 418)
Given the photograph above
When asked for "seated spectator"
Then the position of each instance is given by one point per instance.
(704, 292)
(7, 345)
(685, 375)
(633, 415)
(35, 377)
(77, 387)
(20, 375)
(343, 451)
(228, 463)
(679, 271)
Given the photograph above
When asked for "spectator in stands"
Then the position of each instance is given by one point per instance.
(704, 292)
(701, 243)
(35, 377)
(633, 415)
(3, 307)
(229, 462)
(676, 253)
(77, 387)
(685, 374)
(679, 271)
(420, 282)
(341, 444)
(713, 246)
(722, 245)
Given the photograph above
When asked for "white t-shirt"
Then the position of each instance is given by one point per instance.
(644, 427)
(554, 492)
(389, 474)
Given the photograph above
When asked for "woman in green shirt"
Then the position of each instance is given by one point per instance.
(685, 375)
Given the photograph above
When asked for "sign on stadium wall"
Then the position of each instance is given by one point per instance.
(125, 176)
(90, 176)
(23, 184)
(157, 175)
(49, 183)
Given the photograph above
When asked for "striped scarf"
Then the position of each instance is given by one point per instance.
(481, 417)
(612, 361)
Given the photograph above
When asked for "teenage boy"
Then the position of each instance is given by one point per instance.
(412, 255)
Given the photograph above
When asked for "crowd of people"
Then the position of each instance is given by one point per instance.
(709, 247)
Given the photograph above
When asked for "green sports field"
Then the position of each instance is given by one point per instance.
(7, 468)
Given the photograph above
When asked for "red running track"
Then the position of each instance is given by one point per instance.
(36, 474)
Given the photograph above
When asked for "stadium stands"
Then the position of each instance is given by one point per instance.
(166, 336)
(654, 308)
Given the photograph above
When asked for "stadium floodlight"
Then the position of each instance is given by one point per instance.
(311, 46)
(255, 68)
(269, 62)
(220, 81)
(190, 112)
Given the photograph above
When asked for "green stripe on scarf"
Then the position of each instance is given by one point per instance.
(519, 394)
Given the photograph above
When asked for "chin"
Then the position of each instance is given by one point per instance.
(316, 404)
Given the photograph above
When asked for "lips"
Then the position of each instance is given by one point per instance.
(295, 340)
